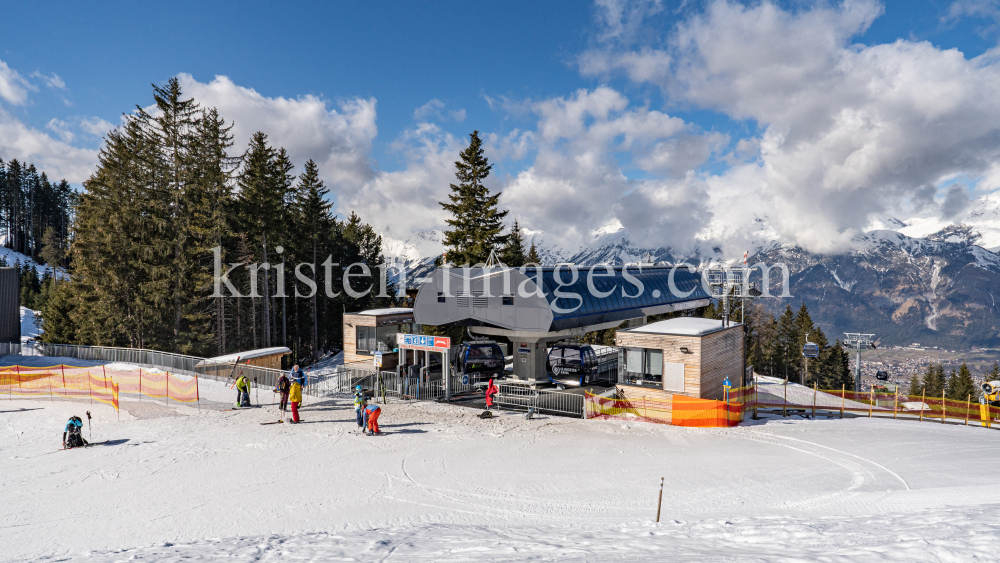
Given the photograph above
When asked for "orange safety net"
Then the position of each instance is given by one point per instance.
(679, 410)
(95, 383)
(705, 413)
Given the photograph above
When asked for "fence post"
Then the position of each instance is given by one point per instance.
(968, 405)
(923, 403)
(784, 402)
(197, 392)
(895, 403)
(943, 406)
(871, 400)
(815, 389)
(843, 398)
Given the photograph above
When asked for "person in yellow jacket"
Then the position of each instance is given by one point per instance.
(242, 391)
(295, 397)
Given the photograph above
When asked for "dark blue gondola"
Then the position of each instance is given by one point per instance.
(810, 350)
(481, 361)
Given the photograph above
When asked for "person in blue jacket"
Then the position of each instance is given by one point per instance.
(73, 434)
(372, 412)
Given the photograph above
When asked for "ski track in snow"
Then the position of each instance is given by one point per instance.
(178, 485)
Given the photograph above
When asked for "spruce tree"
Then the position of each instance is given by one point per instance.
(934, 381)
(476, 222)
(314, 221)
(513, 253)
(916, 387)
(961, 385)
(787, 343)
(533, 255)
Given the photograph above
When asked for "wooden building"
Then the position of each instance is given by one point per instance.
(263, 357)
(685, 356)
(375, 330)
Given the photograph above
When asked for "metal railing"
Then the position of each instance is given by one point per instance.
(10, 348)
(343, 380)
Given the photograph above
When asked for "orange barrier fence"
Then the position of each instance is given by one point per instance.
(95, 383)
(667, 408)
(875, 404)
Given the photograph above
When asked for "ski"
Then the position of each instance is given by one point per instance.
(275, 422)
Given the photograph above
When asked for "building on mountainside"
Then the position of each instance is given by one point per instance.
(375, 330)
(685, 355)
(10, 310)
(263, 357)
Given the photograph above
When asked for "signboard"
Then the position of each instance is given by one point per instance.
(465, 380)
(378, 359)
(421, 342)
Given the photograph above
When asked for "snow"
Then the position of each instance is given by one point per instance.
(175, 484)
(247, 355)
(31, 322)
(684, 326)
(387, 311)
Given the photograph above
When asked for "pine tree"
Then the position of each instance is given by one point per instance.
(961, 386)
(314, 221)
(934, 381)
(787, 339)
(513, 253)
(533, 255)
(476, 223)
(58, 325)
(916, 388)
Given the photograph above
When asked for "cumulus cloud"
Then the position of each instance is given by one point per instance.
(849, 131)
(338, 138)
(576, 182)
(13, 87)
(61, 128)
(53, 81)
(57, 158)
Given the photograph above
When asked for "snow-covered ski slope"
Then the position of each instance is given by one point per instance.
(444, 485)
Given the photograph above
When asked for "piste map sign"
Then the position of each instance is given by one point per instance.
(420, 342)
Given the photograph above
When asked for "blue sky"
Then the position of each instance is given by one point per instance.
(513, 70)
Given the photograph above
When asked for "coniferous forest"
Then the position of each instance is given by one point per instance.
(170, 195)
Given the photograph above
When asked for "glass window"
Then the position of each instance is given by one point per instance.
(386, 337)
(363, 342)
(654, 361)
(440, 297)
(508, 299)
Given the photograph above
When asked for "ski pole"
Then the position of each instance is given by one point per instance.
(89, 429)
(256, 391)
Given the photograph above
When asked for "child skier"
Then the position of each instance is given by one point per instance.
(72, 435)
(372, 413)
(359, 403)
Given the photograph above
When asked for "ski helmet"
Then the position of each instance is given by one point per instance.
(358, 388)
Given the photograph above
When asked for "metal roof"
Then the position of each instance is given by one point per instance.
(550, 299)
(683, 326)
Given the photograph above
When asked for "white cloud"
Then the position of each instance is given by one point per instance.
(848, 131)
(57, 158)
(53, 81)
(435, 110)
(61, 128)
(96, 126)
(338, 139)
(13, 87)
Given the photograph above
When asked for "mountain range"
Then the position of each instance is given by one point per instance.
(906, 281)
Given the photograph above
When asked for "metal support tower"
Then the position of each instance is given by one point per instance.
(731, 283)
(857, 341)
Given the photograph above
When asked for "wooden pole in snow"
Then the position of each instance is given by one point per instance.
(659, 502)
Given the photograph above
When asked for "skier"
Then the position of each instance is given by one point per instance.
(372, 413)
(359, 403)
(242, 392)
(72, 435)
(491, 390)
(295, 396)
(284, 387)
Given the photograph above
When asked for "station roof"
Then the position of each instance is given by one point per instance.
(246, 355)
(683, 326)
(559, 300)
(385, 312)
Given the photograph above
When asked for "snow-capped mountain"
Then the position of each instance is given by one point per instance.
(916, 280)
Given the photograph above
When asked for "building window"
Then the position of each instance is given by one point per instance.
(644, 366)
(508, 299)
(366, 341)
(440, 297)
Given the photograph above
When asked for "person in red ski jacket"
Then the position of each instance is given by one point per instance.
(491, 390)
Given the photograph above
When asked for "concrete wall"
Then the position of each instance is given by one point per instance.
(711, 359)
(10, 311)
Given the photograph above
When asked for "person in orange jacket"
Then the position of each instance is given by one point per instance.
(372, 412)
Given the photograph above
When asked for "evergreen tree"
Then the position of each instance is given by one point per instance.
(476, 223)
(961, 386)
(315, 222)
(513, 253)
(934, 381)
(916, 388)
(787, 338)
(533, 255)
(58, 325)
